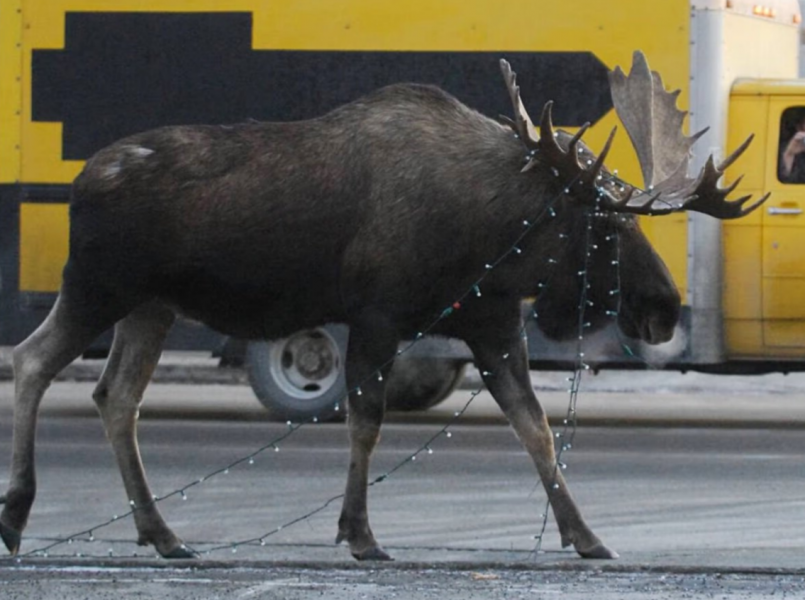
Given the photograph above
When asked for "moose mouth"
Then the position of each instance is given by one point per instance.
(652, 330)
(654, 333)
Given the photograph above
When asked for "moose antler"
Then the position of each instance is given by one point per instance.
(654, 125)
(564, 162)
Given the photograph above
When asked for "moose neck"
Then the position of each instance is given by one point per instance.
(530, 225)
(460, 202)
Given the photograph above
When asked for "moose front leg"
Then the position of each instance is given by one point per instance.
(368, 349)
(504, 364)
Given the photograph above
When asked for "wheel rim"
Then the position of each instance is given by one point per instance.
(305, 365)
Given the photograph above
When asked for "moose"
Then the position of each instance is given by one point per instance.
(392, 206)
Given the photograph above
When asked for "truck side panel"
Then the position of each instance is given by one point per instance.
(94, 70)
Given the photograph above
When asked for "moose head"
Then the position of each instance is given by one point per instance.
(645, 298)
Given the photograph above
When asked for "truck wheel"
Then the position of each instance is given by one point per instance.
(420, 383)
(301, 377)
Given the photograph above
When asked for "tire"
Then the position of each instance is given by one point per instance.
(301, 377)
(419, 383)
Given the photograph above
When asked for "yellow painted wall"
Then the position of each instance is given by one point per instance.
(742, 298)
(11, 53)
(43, 245)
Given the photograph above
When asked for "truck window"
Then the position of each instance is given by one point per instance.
(791, 155)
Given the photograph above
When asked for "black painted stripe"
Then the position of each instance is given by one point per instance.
(43, 193)
(9, 263)
(121, 73)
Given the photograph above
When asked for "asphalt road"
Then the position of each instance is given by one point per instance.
(694, 512)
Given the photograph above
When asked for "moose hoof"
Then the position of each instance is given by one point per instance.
(371, 550)
(11, 538)
(180, 552)
(598, 551)
(372, 553)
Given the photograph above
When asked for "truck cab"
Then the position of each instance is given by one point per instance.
(764, 254)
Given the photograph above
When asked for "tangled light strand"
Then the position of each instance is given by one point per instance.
(570, 422)
(472, 290)
(424, 448)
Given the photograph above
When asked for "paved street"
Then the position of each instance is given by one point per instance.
(693, 510)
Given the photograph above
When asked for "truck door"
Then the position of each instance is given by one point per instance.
(783, 229)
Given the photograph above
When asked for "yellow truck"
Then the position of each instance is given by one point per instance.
(77, 74)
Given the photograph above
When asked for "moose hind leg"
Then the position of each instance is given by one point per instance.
(505, 368)
(135, 352)
(368, 349)
(60, 339)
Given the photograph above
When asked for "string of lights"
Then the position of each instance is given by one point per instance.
(565, 437)
(474, 289)
(570, 421)
(87, 535)
(444, 431)
(424, 448)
